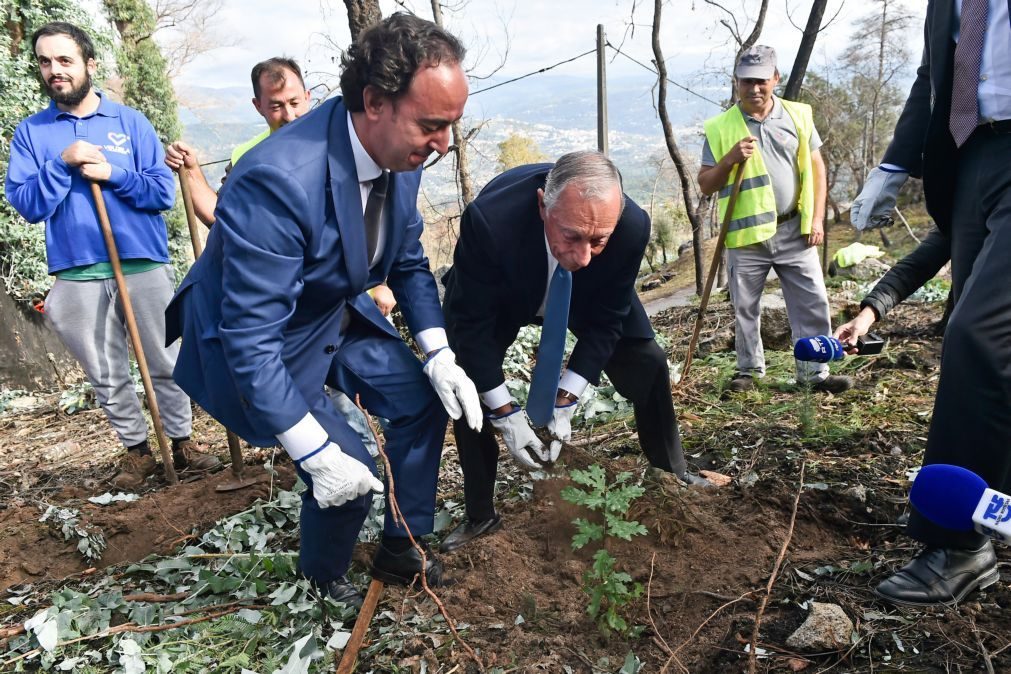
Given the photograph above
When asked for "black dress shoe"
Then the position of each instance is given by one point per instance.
(941, 576)
(402, 568)
(343, 590)
(695, 480)
(467, 531)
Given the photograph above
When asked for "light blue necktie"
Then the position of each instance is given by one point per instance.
(544, 381)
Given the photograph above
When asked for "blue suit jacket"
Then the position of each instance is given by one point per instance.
(260, 313)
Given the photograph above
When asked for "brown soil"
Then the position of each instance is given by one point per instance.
(705, 562)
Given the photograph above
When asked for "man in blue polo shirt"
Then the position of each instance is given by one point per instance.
(84, 137)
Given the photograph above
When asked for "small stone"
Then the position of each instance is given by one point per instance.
(859, 492)
(827, 628)
(895, 451)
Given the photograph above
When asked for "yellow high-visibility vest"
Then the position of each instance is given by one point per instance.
(248, 145)
(754, 217)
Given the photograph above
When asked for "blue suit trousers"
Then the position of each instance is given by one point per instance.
(389, 380)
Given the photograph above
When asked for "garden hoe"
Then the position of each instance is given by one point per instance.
(131, 326)
(238, 480)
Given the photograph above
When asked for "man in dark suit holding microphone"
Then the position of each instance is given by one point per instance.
(955, 133)
(559, 245)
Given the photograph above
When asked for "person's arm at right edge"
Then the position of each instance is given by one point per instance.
(902, 280)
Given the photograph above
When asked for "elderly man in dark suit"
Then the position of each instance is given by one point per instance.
(318, 212)
(955, 133)
(528, 230)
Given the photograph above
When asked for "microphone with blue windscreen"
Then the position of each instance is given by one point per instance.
(820, 349)
(823, 348)
(957, 498)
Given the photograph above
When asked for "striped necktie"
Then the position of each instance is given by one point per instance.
(965, 80)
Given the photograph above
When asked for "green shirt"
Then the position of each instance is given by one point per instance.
(103, 270)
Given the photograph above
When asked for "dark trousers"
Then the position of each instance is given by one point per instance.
(388, 377)
(638, 369)
(971, 425)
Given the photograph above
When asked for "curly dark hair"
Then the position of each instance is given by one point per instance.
(70, 30)
(389, 53)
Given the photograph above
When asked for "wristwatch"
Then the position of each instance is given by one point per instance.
(571, 397)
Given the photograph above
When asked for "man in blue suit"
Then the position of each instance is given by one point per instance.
(274, 309)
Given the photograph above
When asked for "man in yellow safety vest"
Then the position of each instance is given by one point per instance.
(778, 220)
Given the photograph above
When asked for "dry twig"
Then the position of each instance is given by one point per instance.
(752, 653)
(391, 502)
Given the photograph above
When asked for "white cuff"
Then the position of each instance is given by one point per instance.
(303, 438)
(573, 383)
(497, 397)
(431, 339)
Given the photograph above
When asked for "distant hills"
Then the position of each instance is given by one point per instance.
(558, 112)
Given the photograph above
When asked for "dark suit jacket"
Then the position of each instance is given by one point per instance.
(260, 313)
(500, 274)
(922, 143)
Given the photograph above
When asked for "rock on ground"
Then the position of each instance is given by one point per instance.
(827, 628)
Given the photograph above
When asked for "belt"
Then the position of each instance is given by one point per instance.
(780, 219)
(996, 127)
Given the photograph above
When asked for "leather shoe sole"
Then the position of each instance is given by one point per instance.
(940, 576)
(467, 531)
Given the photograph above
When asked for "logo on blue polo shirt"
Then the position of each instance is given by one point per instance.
(119, 140)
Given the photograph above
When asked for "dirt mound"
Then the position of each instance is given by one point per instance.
(32, 551)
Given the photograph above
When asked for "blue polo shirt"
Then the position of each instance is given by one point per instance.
(42, 187)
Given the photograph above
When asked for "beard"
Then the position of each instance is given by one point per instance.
(74, 95)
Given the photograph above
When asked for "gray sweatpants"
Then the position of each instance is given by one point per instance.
(799, 271)
(89, 320)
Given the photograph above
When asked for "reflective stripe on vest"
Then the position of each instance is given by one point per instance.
(754, 217)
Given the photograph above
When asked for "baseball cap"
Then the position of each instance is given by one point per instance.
(757, 63)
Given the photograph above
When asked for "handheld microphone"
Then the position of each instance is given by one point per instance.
(820, 349)
(823, 348)
(957, 498)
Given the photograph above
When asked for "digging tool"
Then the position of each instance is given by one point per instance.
(131, 326)
(350, 656)
(717, 256)
(238, 480)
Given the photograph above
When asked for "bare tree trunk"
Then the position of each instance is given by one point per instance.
(811, 30)
(743, 43)
(687, 192)
(876, 100)
(362, 14)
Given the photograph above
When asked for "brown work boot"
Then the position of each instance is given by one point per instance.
(133, 470)
(834, 383)
(741, 382)
(187, 455)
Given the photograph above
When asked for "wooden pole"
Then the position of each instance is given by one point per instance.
(191, 216)
(131, 326)
(234, 448)
(717, 257)
(350, 656)
(601, 90)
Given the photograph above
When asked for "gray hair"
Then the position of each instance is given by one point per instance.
(595, 175)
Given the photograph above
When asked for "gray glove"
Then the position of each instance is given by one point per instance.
(874, 205)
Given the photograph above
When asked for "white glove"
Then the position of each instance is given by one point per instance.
(455, 389)
(560, 427)
(338, 478)
(519, 437)
(873, 206)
